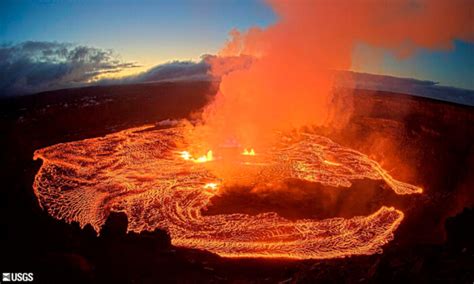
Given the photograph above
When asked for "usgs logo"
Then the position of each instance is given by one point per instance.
(17, 277)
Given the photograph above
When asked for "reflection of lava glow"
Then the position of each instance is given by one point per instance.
(137, 171)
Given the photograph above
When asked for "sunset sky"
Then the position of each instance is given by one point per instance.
(154, 32)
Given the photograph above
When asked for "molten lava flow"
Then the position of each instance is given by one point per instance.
(141, 172)
(211, 185)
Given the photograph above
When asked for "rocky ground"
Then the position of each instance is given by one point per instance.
(422, 141)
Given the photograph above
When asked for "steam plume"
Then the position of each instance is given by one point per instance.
(290, 83)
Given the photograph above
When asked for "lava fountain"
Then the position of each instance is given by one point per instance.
(149, 175)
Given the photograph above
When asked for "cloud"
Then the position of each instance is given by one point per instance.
(210, 67)
(171, 71)
(35, 66)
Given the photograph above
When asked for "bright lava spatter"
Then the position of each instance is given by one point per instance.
(141, 172)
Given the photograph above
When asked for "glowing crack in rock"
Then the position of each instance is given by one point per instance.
(145, 173)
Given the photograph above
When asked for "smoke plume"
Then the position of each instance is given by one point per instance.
(290, 83)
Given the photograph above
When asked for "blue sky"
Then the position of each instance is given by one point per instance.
(150, 32)
(453, 67)
(153, 32)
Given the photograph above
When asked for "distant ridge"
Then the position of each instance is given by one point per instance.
(409, 86)
(362, 81)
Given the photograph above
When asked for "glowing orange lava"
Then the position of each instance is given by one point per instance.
(142, 172)
(250, 152)
(202, 159)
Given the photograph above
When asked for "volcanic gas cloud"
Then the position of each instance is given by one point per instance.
(290, 82)
(274, 81)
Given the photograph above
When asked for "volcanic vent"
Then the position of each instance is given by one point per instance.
(152, 176)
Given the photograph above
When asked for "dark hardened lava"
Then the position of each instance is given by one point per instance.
(434, 140)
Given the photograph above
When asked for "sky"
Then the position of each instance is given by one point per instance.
(154, 32)
(451, 67)
(149, 32)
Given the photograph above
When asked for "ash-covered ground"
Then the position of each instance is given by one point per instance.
(422, 141)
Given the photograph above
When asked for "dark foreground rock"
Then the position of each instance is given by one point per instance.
(116, 256)
(421, 141)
